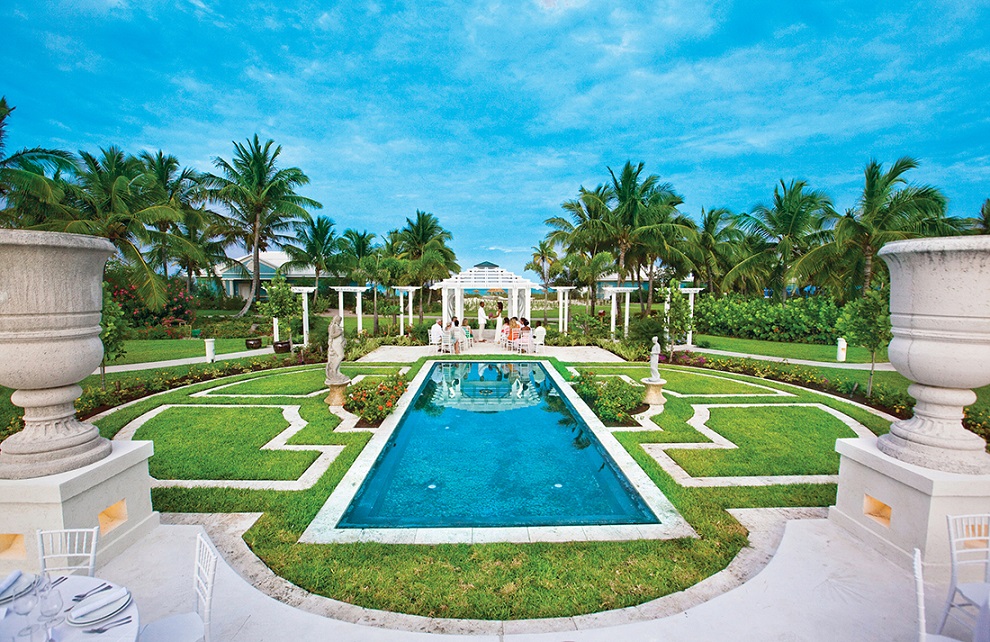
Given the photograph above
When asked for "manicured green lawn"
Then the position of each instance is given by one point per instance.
(151, 350)
(771, 441)
(806, 351)
(221, 443)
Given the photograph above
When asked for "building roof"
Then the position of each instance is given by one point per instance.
(270, 260)
(480, 278)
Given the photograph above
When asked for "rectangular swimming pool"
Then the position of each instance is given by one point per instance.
(493, 444)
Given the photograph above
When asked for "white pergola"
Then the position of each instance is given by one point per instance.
(304, 292)
(357, 290)
(485, 276)
(563, 306)
(407, 290)
(613, 291)
(690, 292)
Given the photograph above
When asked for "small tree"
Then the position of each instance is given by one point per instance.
(678, 316)
(113, 326)
(282, 302)
(865, 322)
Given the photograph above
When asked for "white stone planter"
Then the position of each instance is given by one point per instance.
(940, 313)
(51, 299)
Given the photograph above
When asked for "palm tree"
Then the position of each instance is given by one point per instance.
(424, 245)
(544, 262)
(667, 238)
(582, 231)
(260, 198)
(211, 235)
(888, 209)
(113, 198)
(589, 268)
(180, 190)
(718, 241)
(785, 231)
(625, 222)
(356, 246)
(317, 246)
(981, 224)
(23, 174)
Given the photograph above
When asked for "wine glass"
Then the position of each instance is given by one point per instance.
(23, 605)
(50, 604)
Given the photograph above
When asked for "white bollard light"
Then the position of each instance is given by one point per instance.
(211, 350)
(840, 353)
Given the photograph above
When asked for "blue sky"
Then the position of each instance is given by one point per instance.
(491, 114)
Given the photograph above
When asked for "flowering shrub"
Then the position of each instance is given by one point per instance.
(372, 401)
(808, 320)
(177, 308)
(612, 400)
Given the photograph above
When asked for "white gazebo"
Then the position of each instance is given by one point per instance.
(357, 290)
(614, 291)
(485, 276)
(408, 291)
(563, 306)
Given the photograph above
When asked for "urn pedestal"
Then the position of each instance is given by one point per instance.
(654, 392)
(51, 299)
(895, 492)
(337, 394)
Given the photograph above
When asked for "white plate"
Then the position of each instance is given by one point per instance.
(107, 611)
(23, 584)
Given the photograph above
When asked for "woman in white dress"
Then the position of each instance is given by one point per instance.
(498, 321)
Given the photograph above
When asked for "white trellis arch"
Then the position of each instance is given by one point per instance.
(485, 276)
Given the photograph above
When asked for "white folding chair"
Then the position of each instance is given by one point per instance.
(68, 550)
(195, 625)
(919, 584)
(969, 585)
(525, 342)
(539, 341)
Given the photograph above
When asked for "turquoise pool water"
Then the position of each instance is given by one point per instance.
(493, 444)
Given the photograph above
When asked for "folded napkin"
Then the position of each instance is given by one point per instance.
(9, 581)
(97, 603)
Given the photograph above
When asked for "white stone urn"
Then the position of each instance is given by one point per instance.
(51, 299)
(940, 313)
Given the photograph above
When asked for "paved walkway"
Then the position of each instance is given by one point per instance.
(573, 354)
(885, 366)
(821, 584)
(154, 365)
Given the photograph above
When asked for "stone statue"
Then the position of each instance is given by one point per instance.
(655, 360)
(335, 352)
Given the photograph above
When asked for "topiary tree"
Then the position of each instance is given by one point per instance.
(865, 322)
(113, 326)
(678, 316)
(282, 303)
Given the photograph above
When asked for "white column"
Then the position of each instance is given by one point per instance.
(275, 329)
(305, 302)
(529, 304)
(567, 309)
(666, 317)
(625, 324)
(614, 312)
(460, 305)
(340, 306)
(690, 337)
(560, 310)
(512, 302)
(444, 311)
(360, 313)
(411, 307)
(402, 315)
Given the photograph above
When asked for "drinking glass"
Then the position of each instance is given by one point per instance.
(50, 604)
(23, 606)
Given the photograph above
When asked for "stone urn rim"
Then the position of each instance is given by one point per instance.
(54, 239)
(937, 244)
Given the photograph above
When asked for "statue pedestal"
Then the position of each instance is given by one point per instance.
(114, 492)
(895, 506)
(338, 393)
(654, 392)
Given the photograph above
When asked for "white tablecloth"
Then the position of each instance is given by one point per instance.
(74, 585)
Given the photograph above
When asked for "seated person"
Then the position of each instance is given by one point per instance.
(457, 335)
(436, 333)
(539, 333)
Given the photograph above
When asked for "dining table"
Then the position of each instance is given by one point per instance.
(11, 624)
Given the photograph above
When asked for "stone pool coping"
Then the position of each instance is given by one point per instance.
(323, 529)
